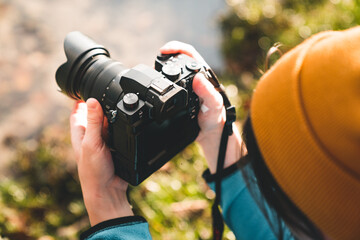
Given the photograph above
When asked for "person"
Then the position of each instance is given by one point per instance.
(300, 176)
(104, 193)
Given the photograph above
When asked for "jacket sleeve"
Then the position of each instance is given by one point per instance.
(240, 211)
(125, 228)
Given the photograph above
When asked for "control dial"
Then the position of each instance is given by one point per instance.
(130, 101)
(163, 57)
(171, 71)
(193, 66)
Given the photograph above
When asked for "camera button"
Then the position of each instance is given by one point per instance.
(163, 57)
(183, 83)
(172, 72)
(130, 101)
(193, 66)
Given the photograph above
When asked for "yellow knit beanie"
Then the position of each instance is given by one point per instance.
(306, 119)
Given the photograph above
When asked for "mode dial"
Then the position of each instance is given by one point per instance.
(171, 71)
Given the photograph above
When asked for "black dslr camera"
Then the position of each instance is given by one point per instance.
(152, 114)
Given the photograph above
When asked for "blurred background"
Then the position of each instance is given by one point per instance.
(40, 196)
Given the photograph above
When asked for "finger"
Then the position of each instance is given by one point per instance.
(207, 93)
(180, 47)
(105, 132)
(78, 126)
(95, 120)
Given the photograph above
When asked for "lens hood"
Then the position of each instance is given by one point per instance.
(79, 50)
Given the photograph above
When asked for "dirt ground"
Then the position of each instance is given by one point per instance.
(31, 49)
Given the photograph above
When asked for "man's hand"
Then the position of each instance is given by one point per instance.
(104, 193)
(212, 116)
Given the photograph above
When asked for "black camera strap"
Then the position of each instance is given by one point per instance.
(218, 221)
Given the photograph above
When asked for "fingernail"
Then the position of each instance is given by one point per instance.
(91, 103)
(204, 108)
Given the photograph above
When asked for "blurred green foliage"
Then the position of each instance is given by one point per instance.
(251, 27)
(42, 198)
(176, 200)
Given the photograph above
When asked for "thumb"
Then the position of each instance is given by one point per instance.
(206, 92)
(95, 119)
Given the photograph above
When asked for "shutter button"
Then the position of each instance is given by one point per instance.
(193, 66)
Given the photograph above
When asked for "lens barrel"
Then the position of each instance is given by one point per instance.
(88, 71)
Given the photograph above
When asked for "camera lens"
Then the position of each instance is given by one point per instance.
(89, 71)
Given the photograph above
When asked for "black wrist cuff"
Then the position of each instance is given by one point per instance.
(111, 223)
(209, 177)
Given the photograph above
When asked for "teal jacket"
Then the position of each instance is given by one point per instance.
(240, 211)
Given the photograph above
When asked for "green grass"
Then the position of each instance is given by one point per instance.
(42, 198)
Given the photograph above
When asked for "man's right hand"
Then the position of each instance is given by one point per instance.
(212, 115)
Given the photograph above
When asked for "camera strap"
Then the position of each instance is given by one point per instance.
(217, 219)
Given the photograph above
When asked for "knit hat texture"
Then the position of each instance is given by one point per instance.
(305, 114)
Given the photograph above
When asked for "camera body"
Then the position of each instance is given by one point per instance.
(152, 113)
(142, 138)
